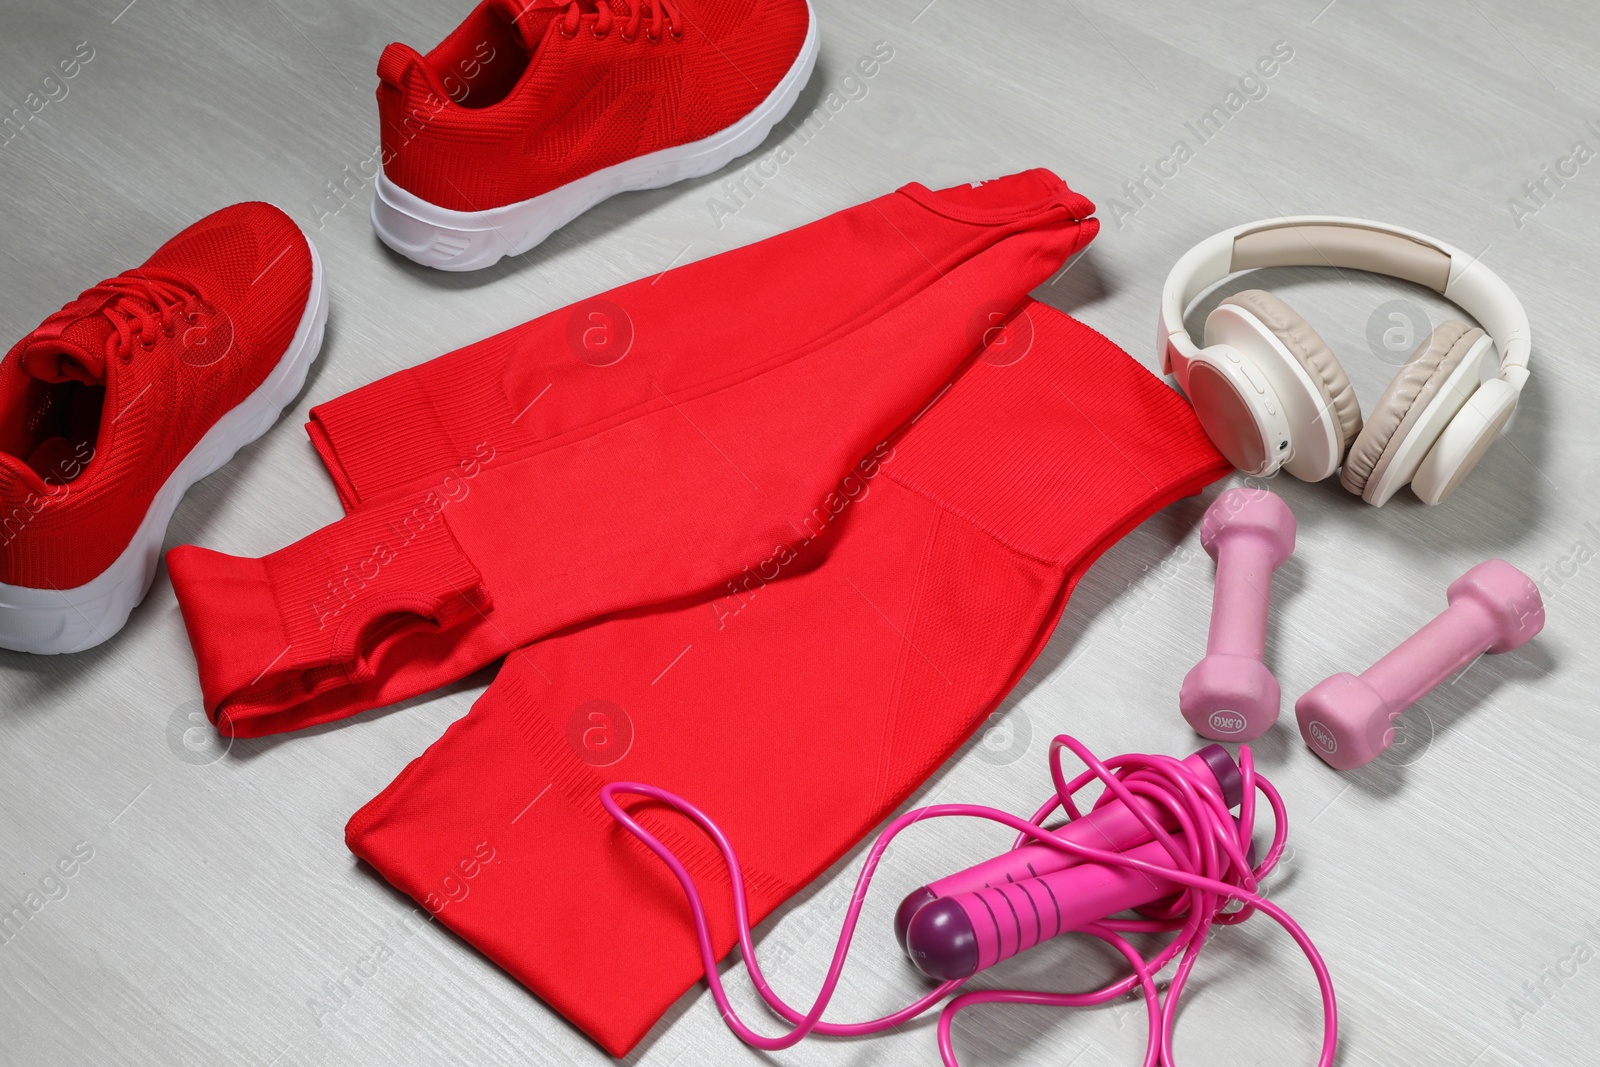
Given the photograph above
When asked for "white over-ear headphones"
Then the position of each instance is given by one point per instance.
(1271, 395)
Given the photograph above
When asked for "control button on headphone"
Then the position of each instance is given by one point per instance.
(1256, 379)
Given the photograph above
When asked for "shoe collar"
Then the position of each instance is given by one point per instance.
(529, 19)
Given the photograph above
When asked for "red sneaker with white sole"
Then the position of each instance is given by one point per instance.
(533, 111)
(130, 394)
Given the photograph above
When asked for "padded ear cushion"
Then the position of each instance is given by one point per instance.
(1405, 400)
(1314, 355)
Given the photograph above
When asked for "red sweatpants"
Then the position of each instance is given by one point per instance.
(798, 704)
(636, 448)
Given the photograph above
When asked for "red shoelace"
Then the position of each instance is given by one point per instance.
(143, 305)
(663, 13)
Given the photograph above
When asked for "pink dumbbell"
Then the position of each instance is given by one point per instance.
(1230, 695)
(1349, 721)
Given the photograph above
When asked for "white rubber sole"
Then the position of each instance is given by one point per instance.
(468, 240)
(53, 621)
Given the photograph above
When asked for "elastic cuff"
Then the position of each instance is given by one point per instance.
(382, 438)
(270, 633)
(349, 495)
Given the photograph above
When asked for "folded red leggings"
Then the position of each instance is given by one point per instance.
(639, 447)
(799, 703)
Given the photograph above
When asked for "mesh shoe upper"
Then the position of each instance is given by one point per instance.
(527, 95)
(100, 403)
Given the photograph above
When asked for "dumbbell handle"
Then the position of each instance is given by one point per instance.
(1239, 600)
(1455, 637)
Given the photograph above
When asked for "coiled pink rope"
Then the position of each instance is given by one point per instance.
(1209, 856)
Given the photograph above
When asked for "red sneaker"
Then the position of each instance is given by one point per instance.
(130, 394)
(533, 111)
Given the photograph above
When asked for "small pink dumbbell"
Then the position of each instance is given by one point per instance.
(1230, 695)
(1349, 721)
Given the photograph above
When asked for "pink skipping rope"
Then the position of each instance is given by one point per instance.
(1208, 851)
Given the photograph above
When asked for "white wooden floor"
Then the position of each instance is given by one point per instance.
(214, 915)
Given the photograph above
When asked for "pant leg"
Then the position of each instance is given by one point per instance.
(799, 704)
(602, 360)
(421, 587)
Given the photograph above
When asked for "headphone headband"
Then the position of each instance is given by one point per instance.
(1356, 244)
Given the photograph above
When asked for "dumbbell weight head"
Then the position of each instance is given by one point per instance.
(1230, 698)
(1345, 721)
(1254, 513)
(1509, 596)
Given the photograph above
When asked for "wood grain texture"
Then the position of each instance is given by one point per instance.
(219, 918)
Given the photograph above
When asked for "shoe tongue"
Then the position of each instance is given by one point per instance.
(72, 350)
(529, 18)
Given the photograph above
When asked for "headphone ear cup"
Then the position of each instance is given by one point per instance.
(1306, 345)
(1419, 380)
(1464, 440)
(1320, 403)
(1238, 409)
